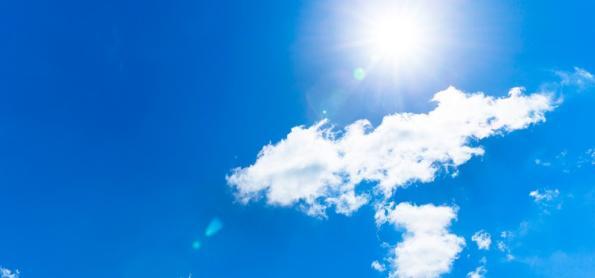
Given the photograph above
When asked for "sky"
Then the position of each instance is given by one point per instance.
(297, 138)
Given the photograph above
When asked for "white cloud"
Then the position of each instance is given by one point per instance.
(546, 195)
(568, 162)
(506, 250)
(579, 78)
(319, 167)
(542, 162)
(502, 246)
(378, 266)
(482, 239)
(587, 158)
(479, 272)
(428, 249)
(7, 273)
(547, 199)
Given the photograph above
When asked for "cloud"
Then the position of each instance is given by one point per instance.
(318, 167)
(588, 158)
(479, 272)
(591, 154)
(579, 78)
(547, 195)
(568, 162)
(547, 199)
(378, 266)
(427, 249)
(503, 247)
(7, 273)
(562, 264)
(482, 239)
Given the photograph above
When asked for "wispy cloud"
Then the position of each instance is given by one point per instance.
(376, 265)
(562, 264)
(7, 273)
(479, 272)
(568, 162)
(579, 78)
(546, 195)
(547, 199)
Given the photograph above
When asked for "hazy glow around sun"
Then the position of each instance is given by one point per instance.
(394, 33)
(397, 38)
(396, 50)
(394, 38)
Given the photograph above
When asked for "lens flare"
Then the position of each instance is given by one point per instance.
(359, 74)
(214, 227)
(395, 34)
(196, 245)
(396, 38)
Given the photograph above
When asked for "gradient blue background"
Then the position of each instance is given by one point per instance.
(119, 121)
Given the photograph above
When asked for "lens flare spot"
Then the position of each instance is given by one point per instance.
(214, 227)
(359, 74)
(196, 245)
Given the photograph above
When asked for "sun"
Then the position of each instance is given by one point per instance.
(394, 35)
(396, 39)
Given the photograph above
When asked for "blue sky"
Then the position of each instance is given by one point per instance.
(121, 124)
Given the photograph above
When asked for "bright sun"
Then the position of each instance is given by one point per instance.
(396, 39)
(394, 35)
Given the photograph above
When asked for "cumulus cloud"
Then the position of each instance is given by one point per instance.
(482, 239)
(318, 167)
(7, 273)
(428, 249)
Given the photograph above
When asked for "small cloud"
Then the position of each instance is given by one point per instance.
(505, 249)
(7, 273)
(591, 154)
(547, 195)
(568, 162)
(482, 239)
(542, 163)
(547, 199)
(428, 249)
(579, 78)
(505, 234)
(588, 158)
(502, 246)
(479, 272)
(378, 266)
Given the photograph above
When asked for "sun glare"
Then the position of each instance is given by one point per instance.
(395, 39)
(395, 36)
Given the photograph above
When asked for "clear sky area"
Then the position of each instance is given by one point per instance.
(328, 138)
